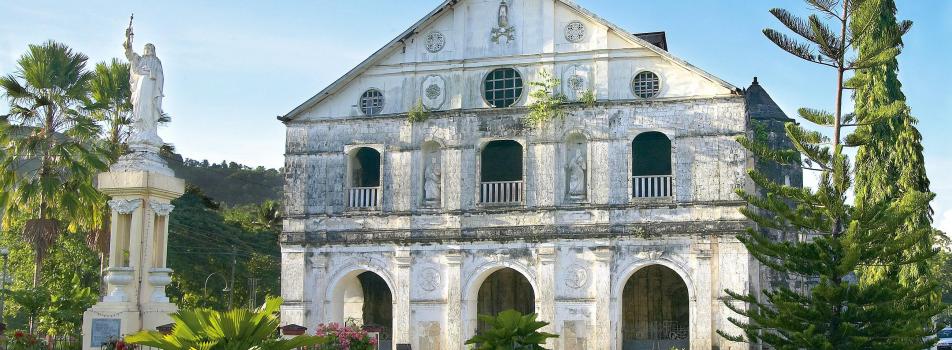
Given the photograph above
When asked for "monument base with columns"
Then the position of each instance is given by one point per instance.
(137, 273)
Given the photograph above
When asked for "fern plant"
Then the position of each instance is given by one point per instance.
(230, 330)
(547, 101)
(511, 330)
(588, 98)
(418, 112)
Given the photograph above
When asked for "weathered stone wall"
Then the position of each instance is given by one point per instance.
(708, 165)
(577, 255)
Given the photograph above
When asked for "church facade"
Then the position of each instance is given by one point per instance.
(417, 197)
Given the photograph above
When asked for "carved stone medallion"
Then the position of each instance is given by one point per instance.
(575, 32)
(576, 276)
(430, 279)
(435, 42)
(433, 92)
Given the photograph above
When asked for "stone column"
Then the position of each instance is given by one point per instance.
(401, 296)
(317, 284)
(702, 320)
(604, 337)
(137, 273)
(454, 299)
(545, 306)
(293, 272)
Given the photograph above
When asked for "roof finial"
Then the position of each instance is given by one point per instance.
(755, 82)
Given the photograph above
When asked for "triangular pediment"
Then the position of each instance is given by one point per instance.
(473, 35)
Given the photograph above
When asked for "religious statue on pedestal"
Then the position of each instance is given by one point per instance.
(146, 80)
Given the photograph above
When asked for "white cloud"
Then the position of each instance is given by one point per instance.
(944, 221)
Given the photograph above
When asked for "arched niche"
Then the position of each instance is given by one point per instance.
(576, 168)
(432, 174)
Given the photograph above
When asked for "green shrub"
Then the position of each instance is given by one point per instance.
(547, 101)
(511, 330)
(215, 330)
(418, 113)
(588, 98)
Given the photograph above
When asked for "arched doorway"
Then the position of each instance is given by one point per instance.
(655, 310)
(505, 289)
(363, 298)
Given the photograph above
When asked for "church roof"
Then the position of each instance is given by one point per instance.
(761, 106)
(448, 4)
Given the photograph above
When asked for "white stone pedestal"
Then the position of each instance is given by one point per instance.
(137, 272)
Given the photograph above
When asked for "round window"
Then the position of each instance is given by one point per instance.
(371, 102)
(646, 85)
(503, 87)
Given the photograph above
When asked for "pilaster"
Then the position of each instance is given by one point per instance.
(454, 297)
(602, 279)
(545, 299)
(401, 313)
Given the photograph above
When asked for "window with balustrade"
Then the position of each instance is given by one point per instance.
(651, 175)
(363, 179)
(501, 176)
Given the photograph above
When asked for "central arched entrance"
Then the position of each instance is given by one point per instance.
(505, 289)
(363, 298)
(655, 310)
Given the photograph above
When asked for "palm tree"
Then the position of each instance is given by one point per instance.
(113, 108)
(110, 91)
(229, 330)
(52, 148)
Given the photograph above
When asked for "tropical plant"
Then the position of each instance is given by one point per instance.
(833, 310)
(418, 113)
(21, 340)
(113, 107)
(587, 98)
(237, 329)
(547, 101)
(511, 330)
(33, 301)
(51, 148)
(348, 336)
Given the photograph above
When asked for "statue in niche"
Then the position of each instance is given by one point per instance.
(431, 181)
(576, 174)
(503, 29)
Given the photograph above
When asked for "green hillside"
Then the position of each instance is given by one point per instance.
(229, 183)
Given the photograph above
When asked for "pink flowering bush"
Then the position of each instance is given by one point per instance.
(345, 337)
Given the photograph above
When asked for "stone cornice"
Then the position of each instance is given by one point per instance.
(516, 110)
(537, 233)
(483, 210)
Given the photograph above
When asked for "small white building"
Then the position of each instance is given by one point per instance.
(616, 224)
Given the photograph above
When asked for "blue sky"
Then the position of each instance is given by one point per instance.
(231, 67)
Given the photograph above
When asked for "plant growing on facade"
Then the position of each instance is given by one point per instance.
(233, 329)
(511, 330)
(418, 113)
(836, 311)
(347, 336)
(587, 98)
(547, 101)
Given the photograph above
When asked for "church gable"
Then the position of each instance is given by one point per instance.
(459, 43)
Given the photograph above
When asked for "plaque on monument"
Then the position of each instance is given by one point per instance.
(103, 329)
